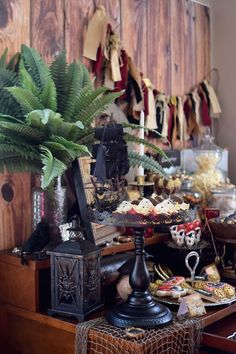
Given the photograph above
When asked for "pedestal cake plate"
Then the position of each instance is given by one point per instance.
(140, 309)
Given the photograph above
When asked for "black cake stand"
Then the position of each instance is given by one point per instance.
(140, 310)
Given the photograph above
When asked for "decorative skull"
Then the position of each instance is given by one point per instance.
(180, 234)
(180, 241)
(181, 231)
(173, 232)
(198, 230)
(189, 234)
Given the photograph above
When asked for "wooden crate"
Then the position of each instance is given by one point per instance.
(26, 286)
(15, 209)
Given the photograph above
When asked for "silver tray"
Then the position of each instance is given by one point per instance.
(171, 301)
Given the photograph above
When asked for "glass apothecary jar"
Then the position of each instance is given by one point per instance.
(224, 199)
(207, 174)
(189, 194)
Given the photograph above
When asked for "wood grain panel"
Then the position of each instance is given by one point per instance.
(183, 46)
(202, 38)
(113, 11)
(134, 31)
(78, 14)
(158, 44)
(14, 24)
(189, 45)
(47, 27)
(178, 60)
(19, 286)
(35, 337)
(15, 216)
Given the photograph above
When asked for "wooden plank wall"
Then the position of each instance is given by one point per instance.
(168, 39)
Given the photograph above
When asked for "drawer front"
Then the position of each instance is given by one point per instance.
(218, 342)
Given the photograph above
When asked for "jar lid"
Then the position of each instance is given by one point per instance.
(207, 144)
(224, 190)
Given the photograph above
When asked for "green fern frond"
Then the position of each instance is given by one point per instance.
(97, 107)
(75, 150)
(86, 81)
(87, 139)
(22, 151)
(153, 131)
(135, 139)
(51, 123)
(74, 85)
(15, 163)
(35, 66)
(44, 117)
(8, 78)
(69, 131)
(148, 163)
(80, 99)
(26, 80)
(59, 151)
(3, 59)
(58, 71)
(13, 62)
(8, 118)
(9, 105)
(52, 167)
(27, 100)
(86, 97)
(48, 96)
(133, 126)
(29, 134)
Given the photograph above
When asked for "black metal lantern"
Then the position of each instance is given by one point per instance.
(75, 276)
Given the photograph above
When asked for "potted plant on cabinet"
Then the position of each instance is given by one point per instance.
(46, 116)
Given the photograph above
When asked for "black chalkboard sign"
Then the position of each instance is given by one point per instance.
(174, 159)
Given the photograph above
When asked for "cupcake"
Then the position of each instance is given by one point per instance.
(124, 207)
(146, 203)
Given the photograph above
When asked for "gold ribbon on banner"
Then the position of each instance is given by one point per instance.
(114, 58)
(182, 120)
(150, 121)
(96, 33)
(215, 105)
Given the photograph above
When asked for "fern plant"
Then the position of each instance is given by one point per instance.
(46, 115)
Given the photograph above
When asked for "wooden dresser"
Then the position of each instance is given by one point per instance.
(25, 327)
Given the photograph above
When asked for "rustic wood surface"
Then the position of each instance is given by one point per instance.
(21, 283)
(169, 41)
(15, 216)
(47, 27)
(159, 44)
(14, 24)
(77, 15)
(134, 31)
(202, 38)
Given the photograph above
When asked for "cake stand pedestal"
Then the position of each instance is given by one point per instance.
(140, 310)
